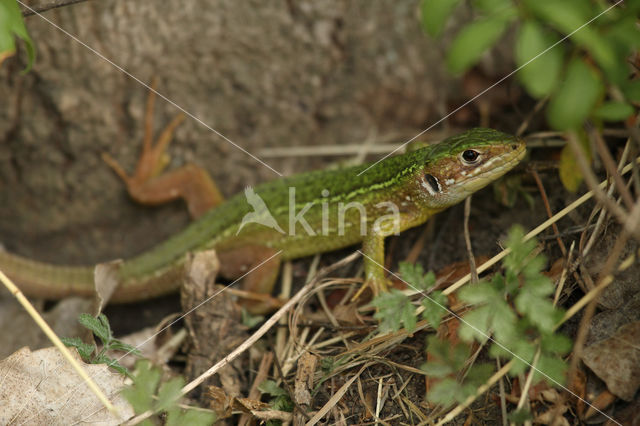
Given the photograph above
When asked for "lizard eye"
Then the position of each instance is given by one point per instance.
(470, 156)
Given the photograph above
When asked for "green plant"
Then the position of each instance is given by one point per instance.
(148, 393)
(394, 308)
(11, 26)
(584, 77)
(280, 401)
(513, 308)
(89, 352)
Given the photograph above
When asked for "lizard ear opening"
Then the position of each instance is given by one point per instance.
(433, 183)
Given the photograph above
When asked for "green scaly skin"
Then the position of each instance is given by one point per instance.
(404, 180)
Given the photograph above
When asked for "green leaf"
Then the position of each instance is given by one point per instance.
(408, 316)
(520, 416)
(474, 39)
(575, 99)
(632, 91)
(437, 369)
(271, 388)
(85, 350)
(614, 111)
(117, 345)
(492, 6)
(554, 370)
(145, 382)
(414, 276)
(556, 343)
(169, 393)
(249, 320)
(12, 25)
(539, 311)
(476, 325)
(282, 403)
(435, 308)
(540, 71)
(568, 16)
(624, 34)
(112, 363)
(394, 308)
(570, 174)
(443, 391)
(178, 417)
(435, 13)
(479, 374)
(97, 326)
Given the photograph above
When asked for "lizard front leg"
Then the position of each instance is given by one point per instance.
(373, 250)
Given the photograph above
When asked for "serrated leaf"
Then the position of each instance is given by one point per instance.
(482, 292)
(145, 382)
(434, 308)
(521, 352)
(443, 391)
(503, 323)
(408, 315)
(437, 369)
(112, 363)
(11, 26)
(614, 111)
(474, 39)
(540, 312)
(437, 347)
(96, 326)
(169, 393)
(554, 370)
(85, 350)
(476, 325)
(394, 308)
(414, 276)
(117, 345)
(556, 343)
(105, 323)
(575, 98)
(540, 71)
(282, 403)
(435, 13)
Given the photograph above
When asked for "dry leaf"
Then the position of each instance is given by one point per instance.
(616, 360)
(21, 330)
(106, 280)
(303, 387)
(42, 388)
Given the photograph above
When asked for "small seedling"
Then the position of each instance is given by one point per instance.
(90, 353)
(280, 401)
(149, 393)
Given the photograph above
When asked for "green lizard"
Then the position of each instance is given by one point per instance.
(307, 213)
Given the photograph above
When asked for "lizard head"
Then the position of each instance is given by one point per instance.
(463, 164)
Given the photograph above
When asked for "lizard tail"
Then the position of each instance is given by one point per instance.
(44, 280)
